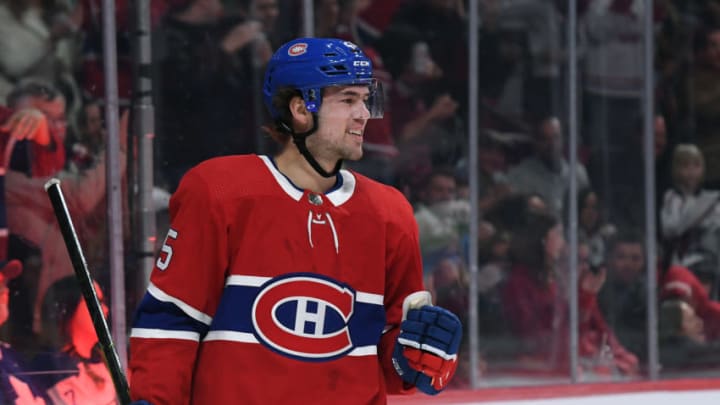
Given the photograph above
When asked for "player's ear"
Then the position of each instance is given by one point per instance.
(299, 112)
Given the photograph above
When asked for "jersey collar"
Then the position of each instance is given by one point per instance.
(338, 195)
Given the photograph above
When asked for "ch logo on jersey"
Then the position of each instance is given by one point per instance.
(304, 316)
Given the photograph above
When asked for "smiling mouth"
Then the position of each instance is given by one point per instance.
(358, 133)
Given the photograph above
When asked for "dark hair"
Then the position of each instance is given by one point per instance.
(32, 87)
(527, 244)
(441, 171)
(582, 197)
(396, 45)
(626, 236)
(59, 305)
(281, 103)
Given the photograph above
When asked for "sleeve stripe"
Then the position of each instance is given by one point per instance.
(363, 351)
(243, 337)
(369, 298)
(160, 295)
(164, 334)
(247, 281)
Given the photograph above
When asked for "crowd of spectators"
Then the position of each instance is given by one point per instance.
(208, 61)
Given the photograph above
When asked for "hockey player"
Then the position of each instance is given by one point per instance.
(282, 280)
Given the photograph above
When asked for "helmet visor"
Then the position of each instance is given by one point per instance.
(376, 100)
(362, 100)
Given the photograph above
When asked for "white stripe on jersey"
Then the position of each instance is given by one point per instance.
(243, 337)
(164, 334)
(161, 295)
(246, 281)
(369, 298)
(257, 281)
(230, 335)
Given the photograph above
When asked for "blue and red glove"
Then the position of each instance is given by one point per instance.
(425, 354)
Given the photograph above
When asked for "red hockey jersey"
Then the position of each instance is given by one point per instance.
(268, 294)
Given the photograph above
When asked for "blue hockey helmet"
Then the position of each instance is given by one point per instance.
(311, 64)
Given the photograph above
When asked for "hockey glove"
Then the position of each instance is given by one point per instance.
(425, 354)
(140, 402)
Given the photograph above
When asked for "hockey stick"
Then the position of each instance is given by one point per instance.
(88, 289)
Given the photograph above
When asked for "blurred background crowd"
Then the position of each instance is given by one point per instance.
(208, 63)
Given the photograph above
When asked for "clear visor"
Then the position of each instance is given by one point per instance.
(355, 100)
(376, 100)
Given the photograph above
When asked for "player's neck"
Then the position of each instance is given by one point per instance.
(293, 165)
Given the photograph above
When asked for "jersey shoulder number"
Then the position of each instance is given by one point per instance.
(166, 251)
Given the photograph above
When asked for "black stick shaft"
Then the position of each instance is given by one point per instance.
(88, 290)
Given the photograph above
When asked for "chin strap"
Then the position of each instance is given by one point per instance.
(299, 140)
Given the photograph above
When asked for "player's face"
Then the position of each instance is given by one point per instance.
(342, 118)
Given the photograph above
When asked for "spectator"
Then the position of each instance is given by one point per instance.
(37, 40)
(541, 21)
(599, 349)
(683, 343)
(76, 372)
(422, 110)
(547, 172)
(677, 282)
(204, 109)
(443, 28)
(14, 388)
(16, 126)
(492, 167)
(442, 218)
(623, 298)
(536, 309)
(613, 77)
(511, 213)
(31, 218)
(592, 228)
(90, 140)
(690, 215)
(32, 158)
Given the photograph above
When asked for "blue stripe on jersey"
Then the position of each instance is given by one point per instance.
(235, 314)
(155, 314)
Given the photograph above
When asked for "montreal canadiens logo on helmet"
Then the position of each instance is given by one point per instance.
(304, 316)
(297, 49)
